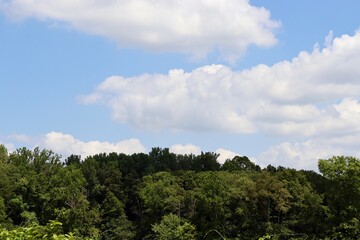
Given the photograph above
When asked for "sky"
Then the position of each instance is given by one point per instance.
(277, 81)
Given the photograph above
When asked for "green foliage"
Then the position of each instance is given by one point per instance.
(115, 225)
(2, 211)
(162, 195)
(52, 231)
(343, 192)
(265, 237)
(173, 227)
(240, 164)
(3, 154)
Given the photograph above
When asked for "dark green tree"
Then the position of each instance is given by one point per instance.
(114, 223)
(3, 154)
(240, 164)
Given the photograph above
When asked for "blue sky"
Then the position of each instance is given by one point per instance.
(277, 81)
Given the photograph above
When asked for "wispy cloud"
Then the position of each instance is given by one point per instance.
(191, 27)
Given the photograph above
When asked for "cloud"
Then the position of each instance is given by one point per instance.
(329, 38)
(66, 145)
(314, 94)
(304, 155)
(20, 138)
(185, 149)
(225, 155)
(200, 100)
(195, 27)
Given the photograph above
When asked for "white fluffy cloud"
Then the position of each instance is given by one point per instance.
(185, 149)
(225, 155)
(304, 155)
(187, 26)
(314, 94)
(66, 145)
(200, 100)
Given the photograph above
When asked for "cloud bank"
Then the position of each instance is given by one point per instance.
(191, 27)
(66, 144)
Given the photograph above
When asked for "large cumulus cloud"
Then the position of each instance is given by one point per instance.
(315, 93)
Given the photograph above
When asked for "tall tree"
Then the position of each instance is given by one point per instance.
(3, 154)
(343, 193)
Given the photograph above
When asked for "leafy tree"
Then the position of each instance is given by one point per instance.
(211, 197)
(73, 208)
(240, 163)
(173, 227)
(3, 154)
(306, 214)
(343, 192)
(2, 211)
(114, 224)
(163, 160)
(206, 162)
(225, 202)
(161, 194)
(273, 202)
(73, 159)
(52, 231)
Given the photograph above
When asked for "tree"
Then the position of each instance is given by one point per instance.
(306, 214)
(273, 201)
(73, 159)
(3, 154)
(163, 160)
(114, 224)
(211, 196)
(240, 163)
(52, 231)
(2, 211)
(72, 207)
(162, 194)
(206, 162)
(173, 227)
(343, 192)
(224, 201)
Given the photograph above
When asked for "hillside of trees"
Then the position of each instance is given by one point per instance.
(162, 195)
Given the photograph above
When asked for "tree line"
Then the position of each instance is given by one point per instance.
(162, 195)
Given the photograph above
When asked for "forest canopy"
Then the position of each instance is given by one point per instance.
(162, 195)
